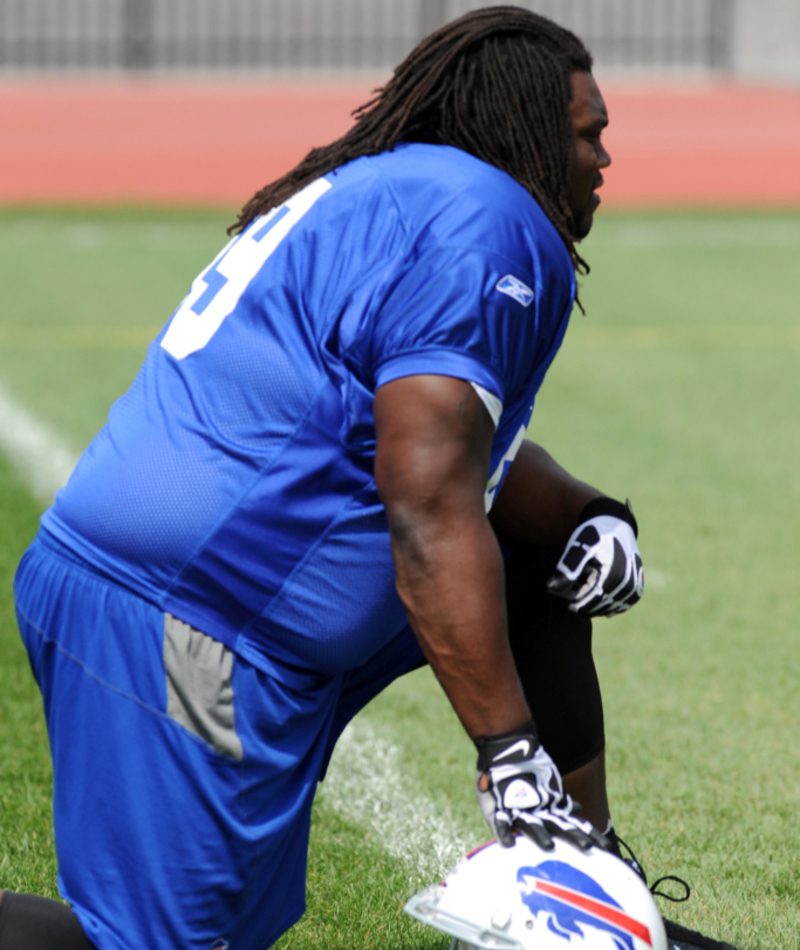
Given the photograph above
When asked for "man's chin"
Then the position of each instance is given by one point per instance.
(582, 222)
(583, 225)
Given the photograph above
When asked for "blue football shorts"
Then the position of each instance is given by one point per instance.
(183, 775)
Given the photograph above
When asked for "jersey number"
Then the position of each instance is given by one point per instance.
(216, 291)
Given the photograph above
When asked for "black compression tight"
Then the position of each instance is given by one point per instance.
(552, 648)
(37, 923)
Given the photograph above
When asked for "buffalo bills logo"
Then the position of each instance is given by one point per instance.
(572, 900)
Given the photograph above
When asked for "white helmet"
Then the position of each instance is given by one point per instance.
(524, 898)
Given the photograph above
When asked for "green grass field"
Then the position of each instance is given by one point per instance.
(679, 389)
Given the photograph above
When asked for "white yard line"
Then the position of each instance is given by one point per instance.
(366, 784)
(42, 457)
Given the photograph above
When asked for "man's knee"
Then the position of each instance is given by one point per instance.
(28, 922)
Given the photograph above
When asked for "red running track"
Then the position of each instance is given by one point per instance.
(214, 142)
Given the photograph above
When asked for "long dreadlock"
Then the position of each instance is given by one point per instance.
(494, 83)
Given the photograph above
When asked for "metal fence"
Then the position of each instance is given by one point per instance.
(164, 35)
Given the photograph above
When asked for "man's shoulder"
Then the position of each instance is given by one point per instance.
(447, 196)
(451, 168)
(426, 178)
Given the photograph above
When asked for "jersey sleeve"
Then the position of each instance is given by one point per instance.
(458, 312)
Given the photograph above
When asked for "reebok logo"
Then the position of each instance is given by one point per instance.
(522, 746)
(515, 289)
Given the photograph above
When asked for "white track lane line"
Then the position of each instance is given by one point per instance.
(42, 457)
(366, 784)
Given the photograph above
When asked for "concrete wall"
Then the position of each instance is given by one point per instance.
(752, 39)
(766, 39)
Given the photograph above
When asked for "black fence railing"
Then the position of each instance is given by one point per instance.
(164, 35)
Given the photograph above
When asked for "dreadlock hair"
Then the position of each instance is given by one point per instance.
(494, 83)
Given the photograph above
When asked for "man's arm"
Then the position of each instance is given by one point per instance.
(432, 456)
(539, 502)
(434, 440)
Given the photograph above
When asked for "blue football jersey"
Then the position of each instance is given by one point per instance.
(233, 484)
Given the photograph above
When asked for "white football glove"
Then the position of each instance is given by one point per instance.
(600, 572)
(519, 789)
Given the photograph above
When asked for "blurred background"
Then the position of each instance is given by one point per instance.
(355, 34)
(206, 100)
(755, 38)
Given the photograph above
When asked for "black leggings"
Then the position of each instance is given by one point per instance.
(552, 649)
(36, 923)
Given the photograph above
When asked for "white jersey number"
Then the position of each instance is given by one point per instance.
(216, 291)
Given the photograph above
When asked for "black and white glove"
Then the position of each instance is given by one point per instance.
(600, 572)
(519, 789)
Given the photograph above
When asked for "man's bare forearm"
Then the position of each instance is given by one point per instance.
(434, 441)
(449, 574)
(540, 502)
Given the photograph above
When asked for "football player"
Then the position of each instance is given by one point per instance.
(319, 481)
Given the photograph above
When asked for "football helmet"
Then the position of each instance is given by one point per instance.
(524, 898)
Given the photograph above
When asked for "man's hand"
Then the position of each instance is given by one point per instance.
(600, 572)
(519, 789)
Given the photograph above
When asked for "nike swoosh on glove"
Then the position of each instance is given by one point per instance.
(600, 572)
(519, 788)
